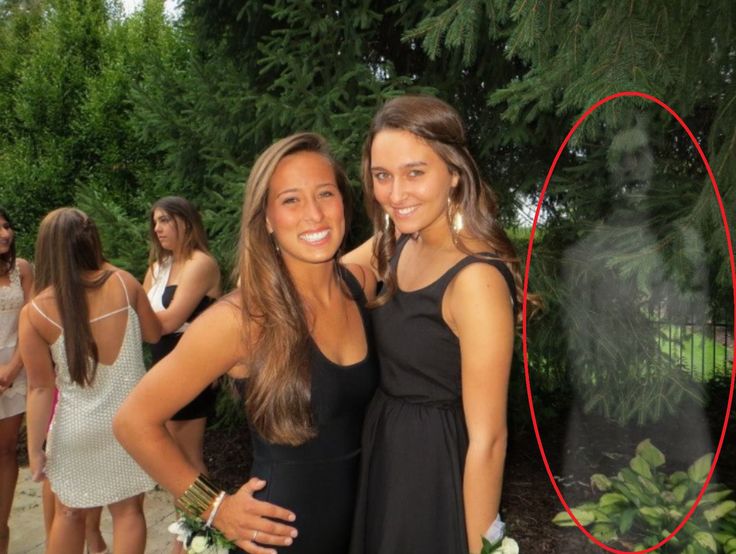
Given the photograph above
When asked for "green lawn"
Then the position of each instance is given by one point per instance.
(703, 357)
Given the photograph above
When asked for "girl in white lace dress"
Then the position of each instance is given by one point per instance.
(15, 286)
(88, 320)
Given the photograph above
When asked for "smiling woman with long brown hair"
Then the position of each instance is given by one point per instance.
(296, 332)
(435, 435)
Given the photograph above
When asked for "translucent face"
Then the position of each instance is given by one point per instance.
(166, 229)
(6, 236)
(305, 210)
(410, 181)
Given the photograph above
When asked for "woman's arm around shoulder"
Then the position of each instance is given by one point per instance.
(362, 256)
(199, 277)
(150, 324)
(480, 313)
(366, 278)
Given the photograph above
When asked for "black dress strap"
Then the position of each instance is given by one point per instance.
(485, 257)
(355, 288)
(400, 243)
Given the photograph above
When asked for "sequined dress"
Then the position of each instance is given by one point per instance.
(85, 464)
(13, 400)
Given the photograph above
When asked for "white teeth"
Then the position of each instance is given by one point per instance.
(406, 211)
(315, 237)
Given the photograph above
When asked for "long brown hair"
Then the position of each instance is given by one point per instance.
(277, 398)
(440, 126)
(192, 237)
(7, 260)
(68, 244)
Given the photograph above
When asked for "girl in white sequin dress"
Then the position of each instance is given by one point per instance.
(15, 286)
(87, 320)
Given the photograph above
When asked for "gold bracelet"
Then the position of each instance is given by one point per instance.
(198, 497)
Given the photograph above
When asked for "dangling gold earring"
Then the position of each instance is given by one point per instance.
(386, 222)
(455, 216)
(457, 222)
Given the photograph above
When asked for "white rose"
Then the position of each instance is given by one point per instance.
(199, 544)
(509, 546)
(179, 529)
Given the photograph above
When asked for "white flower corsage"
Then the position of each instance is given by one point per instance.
(507, 545)
(495, 540)
(197, 538)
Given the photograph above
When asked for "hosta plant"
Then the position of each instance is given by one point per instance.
(642, 504)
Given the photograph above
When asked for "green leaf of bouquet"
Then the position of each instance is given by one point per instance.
(653, 456)
(488, 546)
(707, 540)
(700, 468)
(719, 511)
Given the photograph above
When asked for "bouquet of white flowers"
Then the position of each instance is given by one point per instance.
(197, 538)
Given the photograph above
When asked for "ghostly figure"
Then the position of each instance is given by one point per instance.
(612, 280)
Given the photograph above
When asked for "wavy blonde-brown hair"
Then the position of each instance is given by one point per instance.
(278, 392)
(440, 126)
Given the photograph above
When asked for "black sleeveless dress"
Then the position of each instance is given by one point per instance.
(410, 498)
(318, 479)
(203, 404)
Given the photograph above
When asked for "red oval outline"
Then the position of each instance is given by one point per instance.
(524, 315)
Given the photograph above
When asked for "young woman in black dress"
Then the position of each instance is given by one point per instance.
(297, 331)
(183, 279)
(435, 435)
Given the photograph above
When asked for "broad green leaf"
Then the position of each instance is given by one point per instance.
(650, 453)
(677, 477)
(715, 496)
(563, 519)
(653, 515)
(601, 482)
(700, 468)
(680, 491)
(640, 466)
(612, 498)
(604, 532)
(627, 519)
(719, 511)
(707, 540)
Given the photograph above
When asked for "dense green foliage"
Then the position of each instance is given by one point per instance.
(111, 112)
